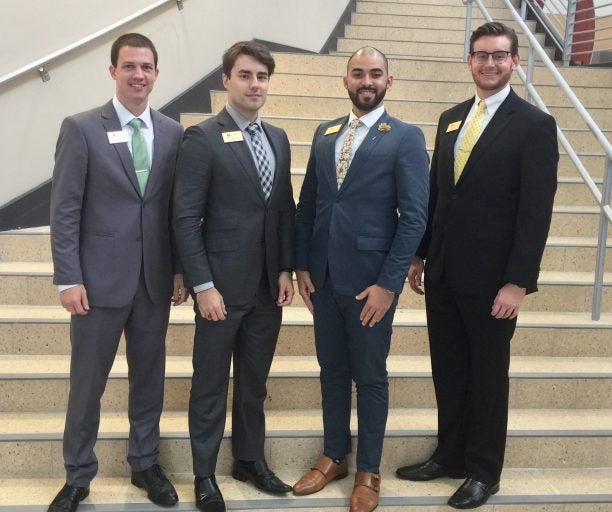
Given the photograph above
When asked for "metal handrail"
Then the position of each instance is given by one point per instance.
(602, 199)
(39, 64)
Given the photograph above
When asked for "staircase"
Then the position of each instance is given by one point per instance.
(559, 455)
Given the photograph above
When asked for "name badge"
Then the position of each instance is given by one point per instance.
(453, 126)
(117, 137)
(333, 129)
(232, 136)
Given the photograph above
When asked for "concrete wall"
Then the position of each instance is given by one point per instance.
(190, 43)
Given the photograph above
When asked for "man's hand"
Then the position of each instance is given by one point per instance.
(74, 300)
(179, 292)
(285, 289)
(508, 301)
(305, 287)
(378, 303)
(210, 305)
(415, 275)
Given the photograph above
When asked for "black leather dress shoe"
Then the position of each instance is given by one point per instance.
(208, 497)
(159, 489)
(472, 494)
(260, 475)
(68, 499)
(428, 470)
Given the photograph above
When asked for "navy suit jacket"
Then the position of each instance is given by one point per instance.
(491, 227)
(366, 232)
(104, 232)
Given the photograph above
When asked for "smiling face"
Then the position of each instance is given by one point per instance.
(247, 85)
(135, 75)
(367, 81)
(491, 77)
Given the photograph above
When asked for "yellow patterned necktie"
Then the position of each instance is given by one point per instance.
(345, 152)
(472, 132)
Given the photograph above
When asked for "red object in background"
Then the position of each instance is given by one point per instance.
(584, 32)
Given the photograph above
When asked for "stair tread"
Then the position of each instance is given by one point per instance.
(518, 486)
(300, 423)
(533, 367)
(294, 315)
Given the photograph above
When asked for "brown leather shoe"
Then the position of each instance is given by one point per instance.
(365, 492)
(323, 472)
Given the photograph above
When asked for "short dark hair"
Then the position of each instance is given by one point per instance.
(371, 50)
(135, 40)
(495, 28)
(258, 51)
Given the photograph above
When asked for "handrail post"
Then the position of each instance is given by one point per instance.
(529, 79)
(468, 28)
(602, 242)
(524, 9)
(569, 32)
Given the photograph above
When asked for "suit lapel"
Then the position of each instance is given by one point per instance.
(498, 122)
(158, 150)
(111, 123)
(329, 152)
(363, 152)
(241, 151)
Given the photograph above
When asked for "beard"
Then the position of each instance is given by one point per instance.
(367, 105)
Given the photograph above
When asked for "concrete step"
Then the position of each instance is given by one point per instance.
(40, 383)
(45, 330)
(524, 490)
(537, 438)
(412, 111)
(426, 69)
(446, 10)
(30, 283)
(434, 49)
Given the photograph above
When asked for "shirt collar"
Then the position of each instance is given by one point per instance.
(370, 118)
(239, 119)
(493, 102)
(125, 116)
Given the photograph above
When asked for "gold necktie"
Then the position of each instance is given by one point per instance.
(472, 132)
(345, 152)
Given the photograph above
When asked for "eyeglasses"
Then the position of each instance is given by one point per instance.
(499, 57)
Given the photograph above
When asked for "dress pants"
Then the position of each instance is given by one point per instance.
(347, 351)
(95, 339)
(470, 357)
(249, 333)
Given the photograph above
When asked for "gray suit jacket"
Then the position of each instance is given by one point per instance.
(103, 232)
(225, 229)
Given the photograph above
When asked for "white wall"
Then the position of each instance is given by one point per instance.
(190, 43)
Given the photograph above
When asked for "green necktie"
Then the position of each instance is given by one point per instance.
(140, 155)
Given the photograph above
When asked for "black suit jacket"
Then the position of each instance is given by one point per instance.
(225, 229)
(491, 227)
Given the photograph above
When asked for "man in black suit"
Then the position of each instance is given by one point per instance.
(492, 184)
(234, 227)
(114, 265)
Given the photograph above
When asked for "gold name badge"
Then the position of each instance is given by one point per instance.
(232, 136)
(453, 126)
(333, 129)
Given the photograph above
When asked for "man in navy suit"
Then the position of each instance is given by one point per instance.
(361, 215)
(114, 265)
(490, 207)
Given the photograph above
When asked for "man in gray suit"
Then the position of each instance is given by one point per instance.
(234, 223)
(114, 265)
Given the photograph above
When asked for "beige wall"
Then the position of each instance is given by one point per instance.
(190, 43)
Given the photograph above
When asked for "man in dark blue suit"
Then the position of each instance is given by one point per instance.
(361, 215)
(492, 184)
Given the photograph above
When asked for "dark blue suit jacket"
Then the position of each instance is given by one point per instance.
(368, 231)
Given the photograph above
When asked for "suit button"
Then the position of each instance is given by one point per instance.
(454, 196)
(138, 238)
